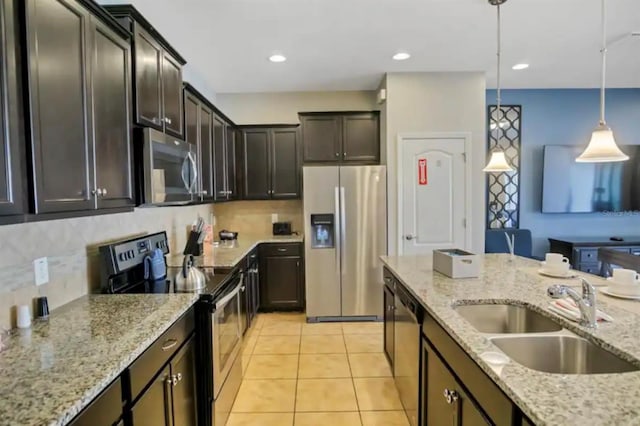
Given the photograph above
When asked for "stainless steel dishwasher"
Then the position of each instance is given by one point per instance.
(407, 353)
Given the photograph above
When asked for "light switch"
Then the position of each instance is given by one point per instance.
(41, 270)
(274, 217)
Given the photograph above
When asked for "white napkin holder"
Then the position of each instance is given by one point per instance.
(456, 263)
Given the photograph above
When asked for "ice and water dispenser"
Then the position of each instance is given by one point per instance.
(322, 231)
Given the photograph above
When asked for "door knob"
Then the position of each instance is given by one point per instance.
(409, 237)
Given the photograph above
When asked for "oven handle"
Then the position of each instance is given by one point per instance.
(220, 303)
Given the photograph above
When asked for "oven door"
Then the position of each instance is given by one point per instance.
(170, 167)
(227, 333)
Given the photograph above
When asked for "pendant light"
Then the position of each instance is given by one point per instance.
(602, 147)
(498, 162)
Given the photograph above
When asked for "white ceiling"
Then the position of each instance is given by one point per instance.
(348, 44)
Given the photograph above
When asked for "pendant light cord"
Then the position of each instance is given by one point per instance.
(604, 62)
(499, 54)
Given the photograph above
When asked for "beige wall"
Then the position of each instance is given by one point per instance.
(437, 102)
(272, 108)
(71, 248)
(254, 217)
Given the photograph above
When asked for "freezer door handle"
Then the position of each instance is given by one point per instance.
(343, 225)
(336, 193)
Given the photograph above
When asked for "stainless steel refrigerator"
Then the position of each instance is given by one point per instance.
(345, 215)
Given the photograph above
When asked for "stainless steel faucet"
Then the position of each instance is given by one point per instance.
(586, 303)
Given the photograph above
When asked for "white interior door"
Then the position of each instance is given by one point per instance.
(432, 199)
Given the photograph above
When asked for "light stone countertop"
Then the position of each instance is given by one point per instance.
(229, 253)
(547, 399)
(48, 375)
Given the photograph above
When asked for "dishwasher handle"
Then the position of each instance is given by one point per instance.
(409, 304)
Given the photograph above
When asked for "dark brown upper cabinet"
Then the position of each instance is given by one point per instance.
(270, 165)
(198, 117)
(12, 171)
(157, 68)
(349, 137)
(81, 148)
(224, 159)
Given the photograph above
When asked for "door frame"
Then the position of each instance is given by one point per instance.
(439, 136)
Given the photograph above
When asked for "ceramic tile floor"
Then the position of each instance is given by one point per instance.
(299, 374)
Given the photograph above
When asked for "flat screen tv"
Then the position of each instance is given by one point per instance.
(570, 187)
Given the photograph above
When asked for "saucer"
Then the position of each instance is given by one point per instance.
(608, 292)
(567, 274)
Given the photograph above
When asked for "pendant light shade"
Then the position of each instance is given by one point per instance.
(602, 148)
(498, 163)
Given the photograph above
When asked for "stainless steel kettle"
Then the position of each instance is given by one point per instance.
(189, 278)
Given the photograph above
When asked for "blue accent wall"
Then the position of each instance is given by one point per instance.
(567, 117)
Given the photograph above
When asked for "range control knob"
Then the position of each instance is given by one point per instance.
(130, 254)
(121, 257)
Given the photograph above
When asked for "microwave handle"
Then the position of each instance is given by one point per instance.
(194, 173)
(182, 170)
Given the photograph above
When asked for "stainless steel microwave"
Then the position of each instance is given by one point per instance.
(170, 173)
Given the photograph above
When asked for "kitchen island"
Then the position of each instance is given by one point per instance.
(546, 399)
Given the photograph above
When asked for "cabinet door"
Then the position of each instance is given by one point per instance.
(104, 410)
(389, 307)
(285, 170)
(154, 406)
(206, 153)
(321, 138)
(255, 164)
(59, 108)
(183, 368)
(230, 147)
(11, 136)
(111, 84)
(361, 138)
(172, 95)
(148, 57)
(281, 283)
(219, 159)
(191, 116)
(444, 401)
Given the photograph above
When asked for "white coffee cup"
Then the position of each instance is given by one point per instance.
(556, 264)
(23, 316)
(626, 277)
(555, 259)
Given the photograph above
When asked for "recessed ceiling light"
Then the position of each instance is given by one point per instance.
(277, 58)
(519, 67)
(401, 56)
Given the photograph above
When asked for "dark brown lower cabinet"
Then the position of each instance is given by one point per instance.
(171, 397)
(154, 406)
(444, 401)
(105, 410)
(281, 277)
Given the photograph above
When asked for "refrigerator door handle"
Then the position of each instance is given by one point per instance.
(343, 225)
(338, 225)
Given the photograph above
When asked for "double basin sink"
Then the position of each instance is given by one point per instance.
(539, 343)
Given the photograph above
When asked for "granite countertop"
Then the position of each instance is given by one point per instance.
(229, 253)
(50, 372)
(547, 399)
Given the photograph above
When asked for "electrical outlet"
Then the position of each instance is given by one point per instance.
(274, 217)
(41, 270)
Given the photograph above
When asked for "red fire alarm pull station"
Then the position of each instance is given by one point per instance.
(422, 171)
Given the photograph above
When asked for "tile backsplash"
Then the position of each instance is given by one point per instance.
(255, 217)
(71, 246)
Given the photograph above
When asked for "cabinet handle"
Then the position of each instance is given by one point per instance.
(179, 377)
(282, 250)
(96, 192)
(344, 154)
(173, 380)
(451, 396)
(104, 191)
(167, 120)
(337, 154)
(169, 344)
